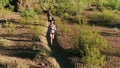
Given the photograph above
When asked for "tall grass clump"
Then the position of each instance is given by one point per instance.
(5, 13)
(105, 18)
(37, 9)
(27, 13)
(88, 44)
(41, 22)
(3, 42)
(112, 4)
(36, 30)
(4, 3)
(10, 27)
(71, 7)
(26, 21)
(65, 29)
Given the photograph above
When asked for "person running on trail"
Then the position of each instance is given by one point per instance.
(52, 29)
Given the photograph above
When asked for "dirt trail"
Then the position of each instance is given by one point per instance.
(59, 54)
(45, 43)
(61, 57)
(113, 37)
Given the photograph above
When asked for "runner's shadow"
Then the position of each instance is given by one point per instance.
(59, 54)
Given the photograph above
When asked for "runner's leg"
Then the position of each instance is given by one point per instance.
(51, 39)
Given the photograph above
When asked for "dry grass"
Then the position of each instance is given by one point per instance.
(4, 42)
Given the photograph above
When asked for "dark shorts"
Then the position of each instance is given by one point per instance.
(52, 33)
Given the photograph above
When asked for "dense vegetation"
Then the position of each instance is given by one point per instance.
(88, 44)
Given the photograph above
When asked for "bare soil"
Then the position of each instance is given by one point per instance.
(21, 45)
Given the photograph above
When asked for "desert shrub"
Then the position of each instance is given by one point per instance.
(66, 16)
(65, 7)
(112, 4)
(106, 18)
(10, 27)
(58, 22)
(64, 29)
(11, 7)
(61, 6)
(79, 20)
(37, 9)
(26, 21)
(4, 42)
(41, 22)
(21, 8)
(4, 3)
(36, 30)
(27, 13)
(23, 21)
(108, 4)
(88, 44)
(5, 13)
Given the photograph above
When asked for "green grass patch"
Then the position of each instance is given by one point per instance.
(105, 18)
(36, 30)
(4, 42)
(10, 27)
(88, 44)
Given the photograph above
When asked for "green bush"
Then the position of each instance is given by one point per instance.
(41, 22)
(37, 9)
(5, 13)
(65, 7)
(26, 21)
(23, 21)
(64, 29)
(21, 8)
(112, 4)
(88, 44)
(58, 22)
(36, 30)
(27, 13)
(4, 3)
(106, 18)
(4, 42)
(108, 4)
(10, 27)
(61, 6)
